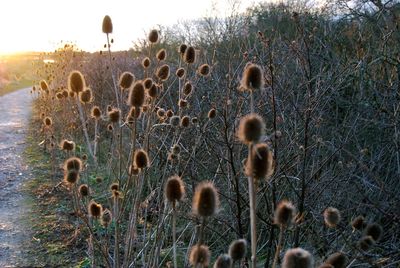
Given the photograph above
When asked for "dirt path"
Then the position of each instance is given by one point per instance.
(15, 109)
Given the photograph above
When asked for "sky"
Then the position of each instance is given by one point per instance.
(40, 25)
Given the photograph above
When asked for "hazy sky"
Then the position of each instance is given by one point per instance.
(37, 25)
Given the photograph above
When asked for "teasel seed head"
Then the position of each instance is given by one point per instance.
(170, 113)
(366, 242)
(185, 121)
(141, 159)
(187, 88)
(190, 55)
(110, 127)
(153, 91)
(262, 162)
(176, 149)
(358, 223)
(114, 115)
(134, 112)
(204, 70)
(146, 63)
(71, 176)
(238, 249)
(44, 85)
(223, 261)
(253, 78)
(199, 255)
(86, 96)
(95, 209)
(114, 186)
(182, 48)
(194, 120)
(180, 73)
(48, 121)
(174, 121)
(212, 113)
(332, 217)
(374, 230)
(67, 145)
(136, 95)
(83, 190)
(161, 54)
(106, 217)
(163, 72)
(337, 260)
(174, 189)
(107, 26)
(297, 258)
(205, 200)
(161, 113)
(65, 93)
(126, 80)
(95, 112)
(148, 83)
(251, 128)
(153, 36)
(76, 82)
(284, 213)
(73, 163)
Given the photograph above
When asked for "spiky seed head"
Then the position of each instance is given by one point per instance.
(106, 217)
(86, 96)
(204, 70)
(182, 48)
(83, 190)
(180, 72)
(134, 112)
(76, 82)
(44, 85)
(71, 176)
(205, 200)
(114, 186)
(190, 55)
(176, 149)
(126, 80)
(67, 145)
(95, 112)
(84, 157)
(251, 128)
(136, 94)
(114, 115)
(95, 209)
(174, 121)
(148, 83)
(141, 159)
(297, 258)
(237, 249)
(47, 121)
(146, 63)
(260, 163)
(161, 112)
(194, 120)
(212, 113)
(337, 260)
(358, 223)
(163, 72)
(331, 217)
(185, 121)
(107, 26)
(253, 78)
(161, 54)
(182, 103)
(73, 163)
(199, 255)
(72, 94)
(174, 189)
(153, 91)
(284, 213)
(170, 113)
(366, 242)
(374, 230)
(187, 88)
(153, 36)
(110, 127)
(223, 261)
(109, 108)
(65, 93)
(59, 96)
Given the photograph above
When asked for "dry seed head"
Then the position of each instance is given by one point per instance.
(153, 91)
(126, 80)
(86, 96)
(161, 54)
(205, 200)
(284, 213)
(95, 112)
(161, 112)
(174, 189)
(48, 121)
(72, 94)
(237, 249)
(76, 82)
(65, 93)
(337, 260)
(297, 258)
(261, 164)
(187, 88)
(67, 145)
(251, 128)
(114, 186)
(374, 230)
(182, 48)
(114, 115)
(43, 85)
(141, 159)
(163, 72)
(136, 94)
(212, 113)
(331, 217)
(95, 209)
(366, 242)
(148, 83)
(176, 149)
(146, 63)
(59, 96)
(106, 217)
(185, 121)
(153, 36)
(134, 112)
(252, 78)
(190, 55)
(223, 261)
(110, 127)
(83, 190)
(174, 121)
(170, 113)
(194, 120)
(358, 223)
(73, 163)
(199, 255)
(71, 176)
(180, 72)
(84, 157)
(107, 26)
(204, 70)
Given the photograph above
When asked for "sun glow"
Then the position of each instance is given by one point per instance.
(42, 24)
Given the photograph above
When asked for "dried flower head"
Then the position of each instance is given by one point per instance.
(86, 96)
(73, 163)
(176, 149)
(161, 54)
(331, 217)
(107, 26)
(284, 213)
(223, 261)
(106, 217)
(47, 121)
(260, 163)
(141, 159)
(212, 113)
(71, 176)
(114, 186)
(205, 200)
(187, 88)
(251, 128)
(199, 255)
(337, 260)
(174, 189)
(180, 72)
(204, 70)
(126, 80)
(297, 258)
(95, 209)
(366, 242)
(114, 115)
(76, 82)
(190, 55)
(374, 230)
(182, 103)
(237, 249)
(153, 36)
(163, 72)
(358, 223)
(148, 83)
(170, 113)
(182, 48)
(136, 94)
(134, 112)
(185, 121)
(252, 78)
(153, 91)
(146, 63)
(44, 85)
(175, 121)
(95, 112)
(83, 190)
(67, 145)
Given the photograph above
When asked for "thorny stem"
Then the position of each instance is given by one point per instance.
(174, 233)
(279, 246)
